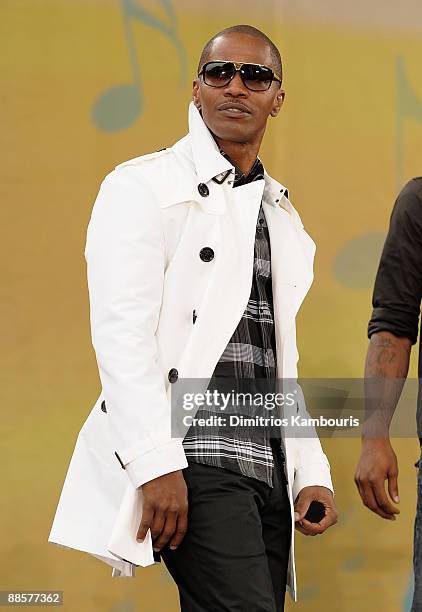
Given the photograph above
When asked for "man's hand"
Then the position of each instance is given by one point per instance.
(378, 463)
(303, 501)
(165, 510)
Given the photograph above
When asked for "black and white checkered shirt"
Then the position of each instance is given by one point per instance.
(249, 355)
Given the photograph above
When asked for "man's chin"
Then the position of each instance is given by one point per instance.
(231, 132)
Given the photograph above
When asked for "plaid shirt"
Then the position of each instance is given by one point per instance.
(250, 354)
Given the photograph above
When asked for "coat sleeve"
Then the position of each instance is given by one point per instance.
(125, 255)
(311, 466)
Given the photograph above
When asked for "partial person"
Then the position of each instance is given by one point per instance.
(393, 330)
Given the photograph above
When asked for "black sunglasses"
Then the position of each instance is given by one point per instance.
(255, 77)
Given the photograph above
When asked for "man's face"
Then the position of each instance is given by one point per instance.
(260, 104)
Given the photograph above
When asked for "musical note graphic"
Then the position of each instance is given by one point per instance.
(409, 106)
(119, 106)
(355, 264)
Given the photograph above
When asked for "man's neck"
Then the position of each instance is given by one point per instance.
(243, 154)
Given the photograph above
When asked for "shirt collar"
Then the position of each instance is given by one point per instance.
(256, 173)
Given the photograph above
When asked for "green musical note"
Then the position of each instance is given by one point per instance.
(355, 264)
(409, 106)
(119, 106)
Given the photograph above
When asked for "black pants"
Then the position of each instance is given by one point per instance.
(234, 555)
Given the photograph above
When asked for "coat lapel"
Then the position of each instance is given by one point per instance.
(229, 287)
(292, 252)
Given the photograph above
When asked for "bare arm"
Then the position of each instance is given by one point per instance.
(386, 368)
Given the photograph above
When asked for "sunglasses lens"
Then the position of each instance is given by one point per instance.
(254, 77)
(257, 78)
(218, 74)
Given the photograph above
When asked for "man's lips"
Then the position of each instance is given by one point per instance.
(234, 109)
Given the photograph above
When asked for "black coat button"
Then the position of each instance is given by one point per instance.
(203, 190)
(206, 254)
(173, 375)
(103, 406)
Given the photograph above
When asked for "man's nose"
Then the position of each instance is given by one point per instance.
(236, 85)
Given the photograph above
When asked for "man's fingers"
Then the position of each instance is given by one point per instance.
(307, 528)
(301, 507)
(312, 528)
(168, 530)
(146, 520)
(163, 499)
(393, 487)
(157, 526)
(382, 500)
(361, 490)
(181, 529)
(298, 527)
(329, 519)
(371, 502)
(373, 496)
(378, 463)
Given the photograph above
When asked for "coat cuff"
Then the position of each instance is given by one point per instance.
(312, 475)
(156, 462)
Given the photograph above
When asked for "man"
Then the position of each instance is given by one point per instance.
(181, 280)
(392, 330)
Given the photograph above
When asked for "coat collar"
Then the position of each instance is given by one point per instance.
(199, 149)
(209, 163)
(207, 158)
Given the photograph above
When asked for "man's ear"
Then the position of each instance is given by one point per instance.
(278, 102)
(196, 96)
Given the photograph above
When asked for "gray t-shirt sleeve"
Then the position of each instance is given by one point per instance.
(398, 285)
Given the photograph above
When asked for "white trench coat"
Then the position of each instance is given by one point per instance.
(152, 217)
